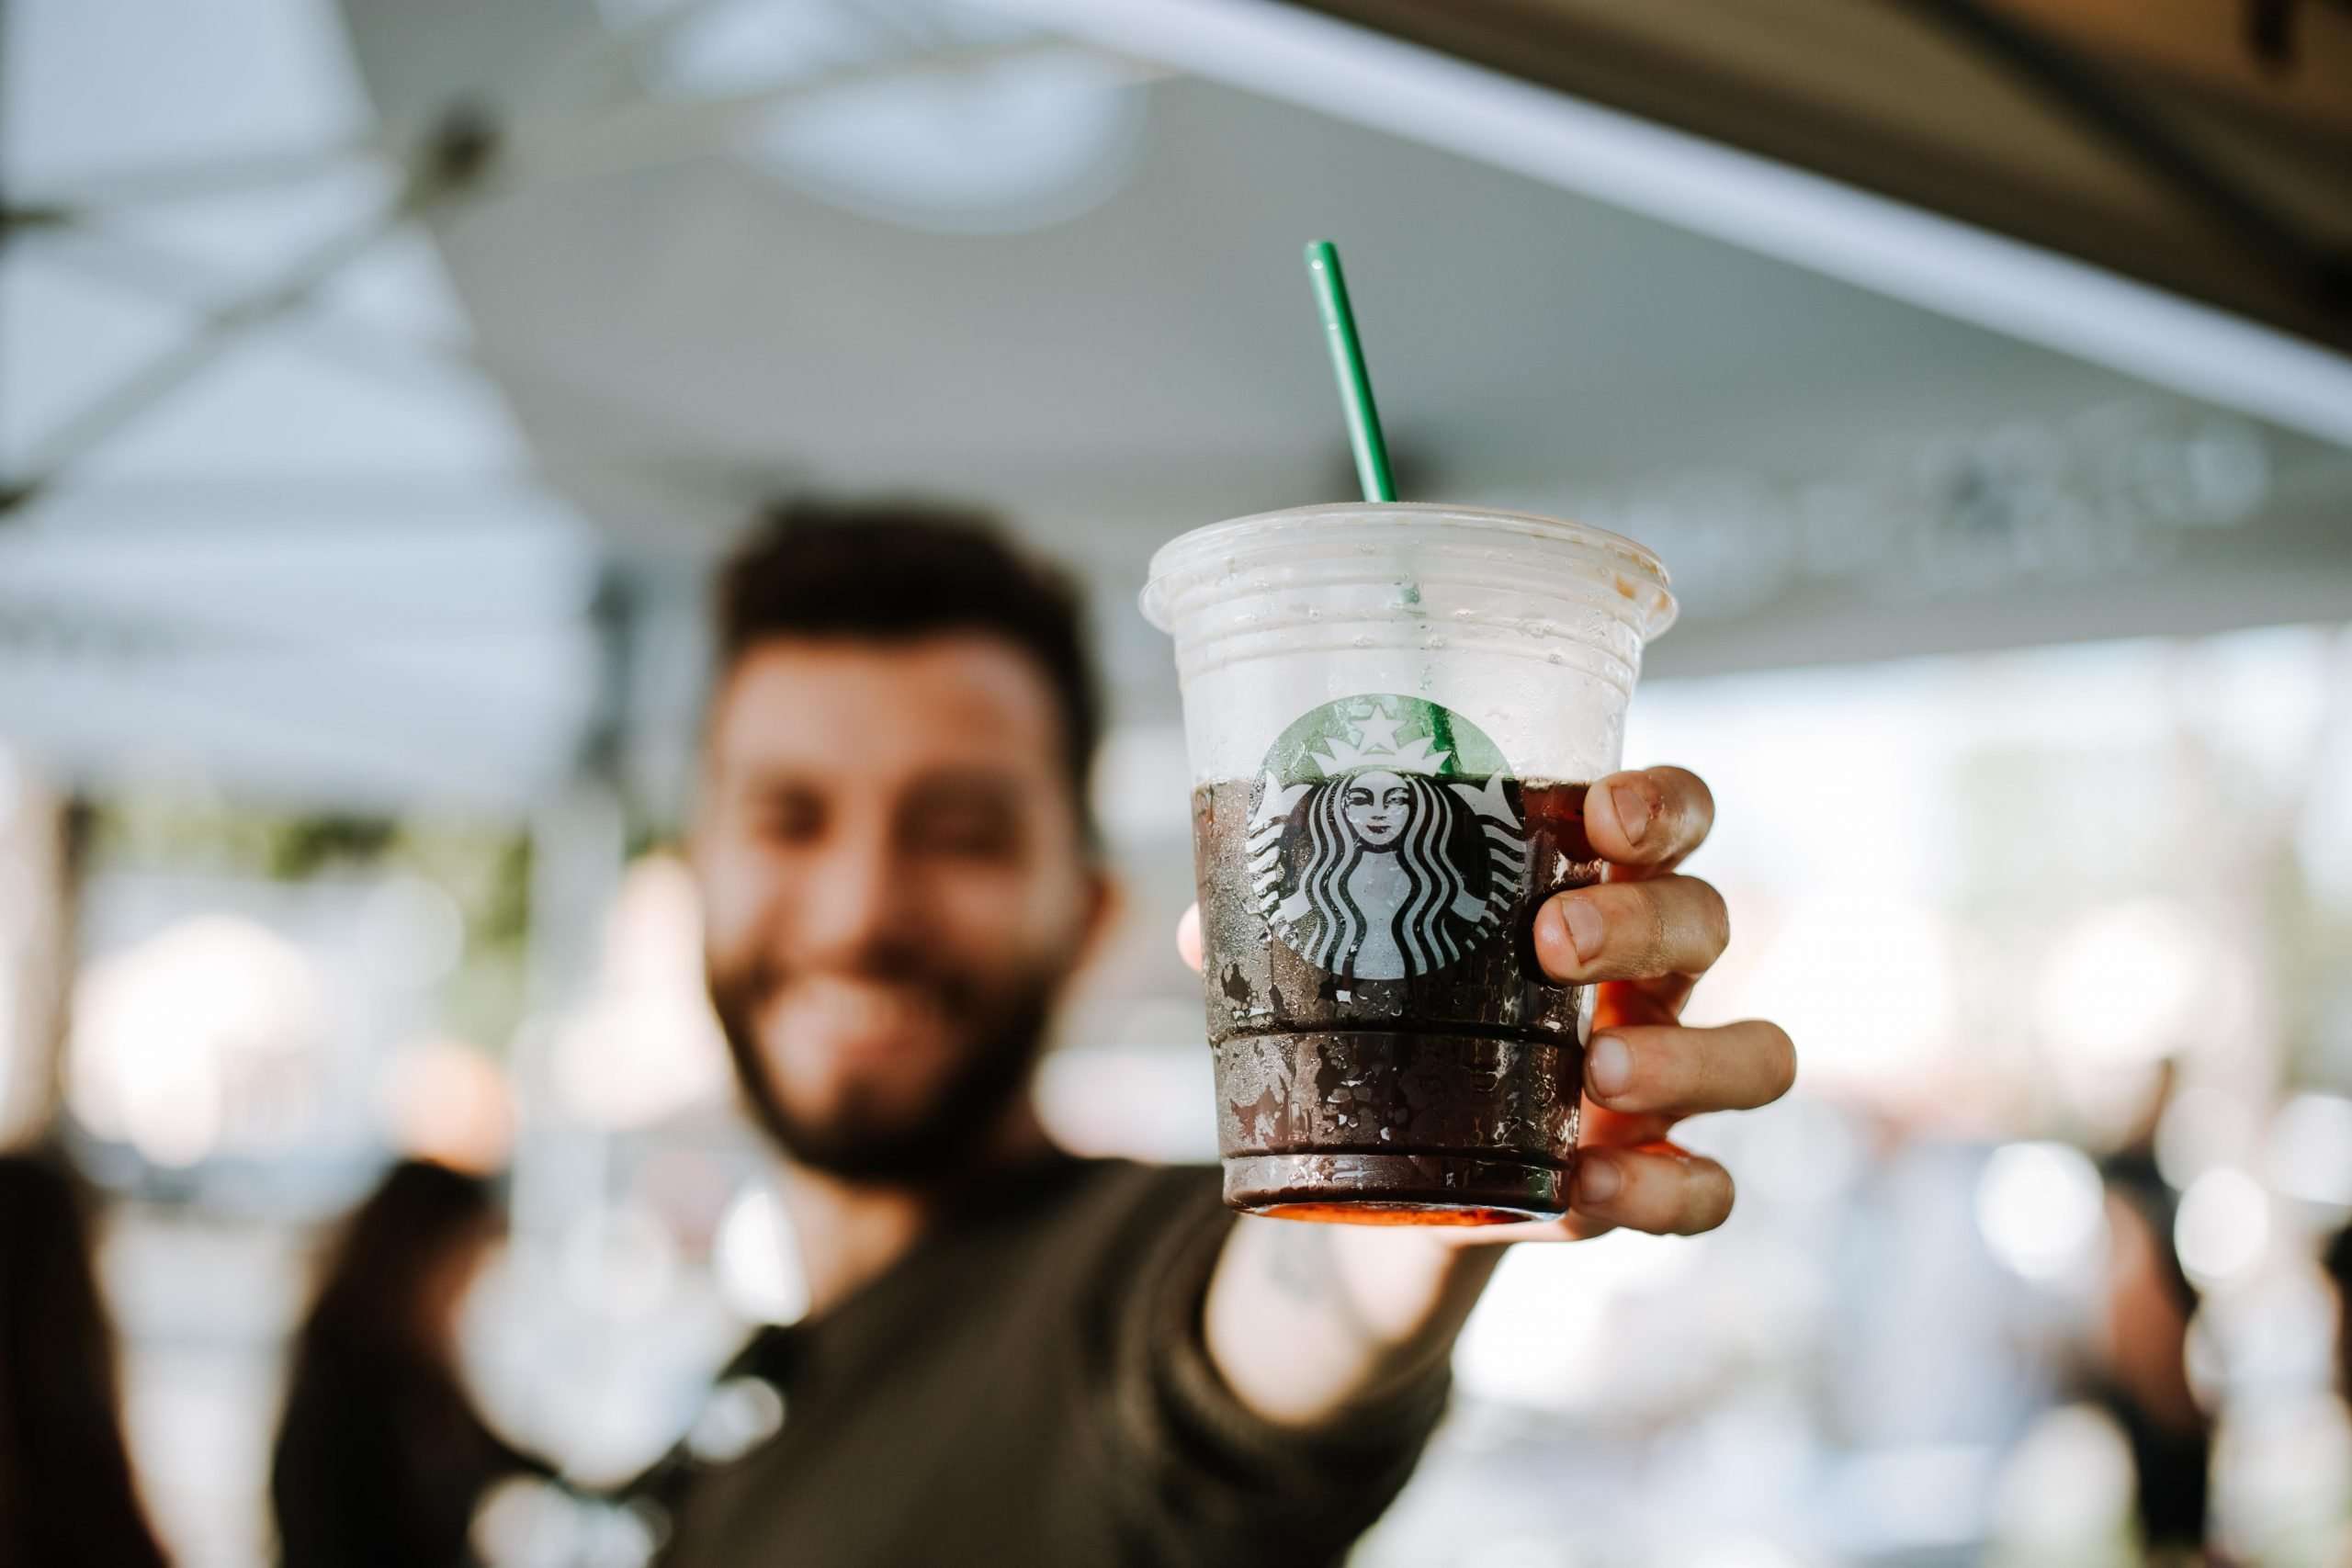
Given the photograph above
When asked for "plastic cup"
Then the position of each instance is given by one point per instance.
(1392, 713)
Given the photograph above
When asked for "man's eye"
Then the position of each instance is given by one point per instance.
(963, 830)
(789, 818)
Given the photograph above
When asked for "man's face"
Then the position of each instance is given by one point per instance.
(894, 889)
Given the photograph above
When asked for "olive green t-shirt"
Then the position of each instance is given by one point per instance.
(1029, 1386)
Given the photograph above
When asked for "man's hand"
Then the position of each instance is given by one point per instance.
(1642, 937)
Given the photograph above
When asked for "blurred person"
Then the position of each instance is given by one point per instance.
(2143, 1382)
(1014, 1355)
(67, 1496)
(381, 1458)
(2337, 1260)
(2142, 1377)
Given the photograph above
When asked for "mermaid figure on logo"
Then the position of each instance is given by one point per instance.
(1380, 869)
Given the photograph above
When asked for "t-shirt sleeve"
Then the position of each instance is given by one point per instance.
(1208, 1480)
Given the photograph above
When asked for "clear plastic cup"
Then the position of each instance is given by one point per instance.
(1392, 713)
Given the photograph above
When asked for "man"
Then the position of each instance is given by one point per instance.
(1012, 1356)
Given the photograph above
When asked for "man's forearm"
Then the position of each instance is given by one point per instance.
(1307, 1321)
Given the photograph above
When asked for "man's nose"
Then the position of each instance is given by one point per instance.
(856, 897)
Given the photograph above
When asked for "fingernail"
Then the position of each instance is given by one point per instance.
(1632, 812)
(1584, 925)
(1598, 1179)
(1609, 1066)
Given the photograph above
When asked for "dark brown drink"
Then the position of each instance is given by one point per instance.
(1387, 1050)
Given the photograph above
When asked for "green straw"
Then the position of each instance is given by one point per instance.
(1364, 420)
(1347, 363)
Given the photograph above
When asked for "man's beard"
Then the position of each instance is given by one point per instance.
(963, 1111)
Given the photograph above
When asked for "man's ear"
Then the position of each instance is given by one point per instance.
(1106, 901)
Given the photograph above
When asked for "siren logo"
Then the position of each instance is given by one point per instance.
(1383, 845)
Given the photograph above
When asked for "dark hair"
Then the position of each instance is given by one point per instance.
(370, 1298)
(900, 572)
(66, 1492)
(381, 1455)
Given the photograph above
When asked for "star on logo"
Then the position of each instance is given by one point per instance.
(1376, 744)
(1379, 733)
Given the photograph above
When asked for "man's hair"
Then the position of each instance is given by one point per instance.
(901, 571)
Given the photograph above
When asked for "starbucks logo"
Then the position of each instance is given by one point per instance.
(1384, 843)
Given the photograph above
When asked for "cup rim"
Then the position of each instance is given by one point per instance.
(1623, 555)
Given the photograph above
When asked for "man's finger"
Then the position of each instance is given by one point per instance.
(1188, 936)
(1655, 1000)
(1688, 1072)
(1598, 1127)
(1644, 822)
(1660, 1189)
(1625, 931)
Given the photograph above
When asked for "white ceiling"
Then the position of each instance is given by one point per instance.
(355, 556)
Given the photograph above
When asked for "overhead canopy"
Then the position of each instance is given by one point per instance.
(393, 370)
(2201, 147)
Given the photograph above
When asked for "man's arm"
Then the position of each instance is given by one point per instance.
(1306, 1322)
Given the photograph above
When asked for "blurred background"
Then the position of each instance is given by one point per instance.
(379, 379)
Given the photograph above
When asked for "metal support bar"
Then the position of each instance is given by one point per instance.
(167, 275)
(534, 146)
(451, 164)
(176, 367)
